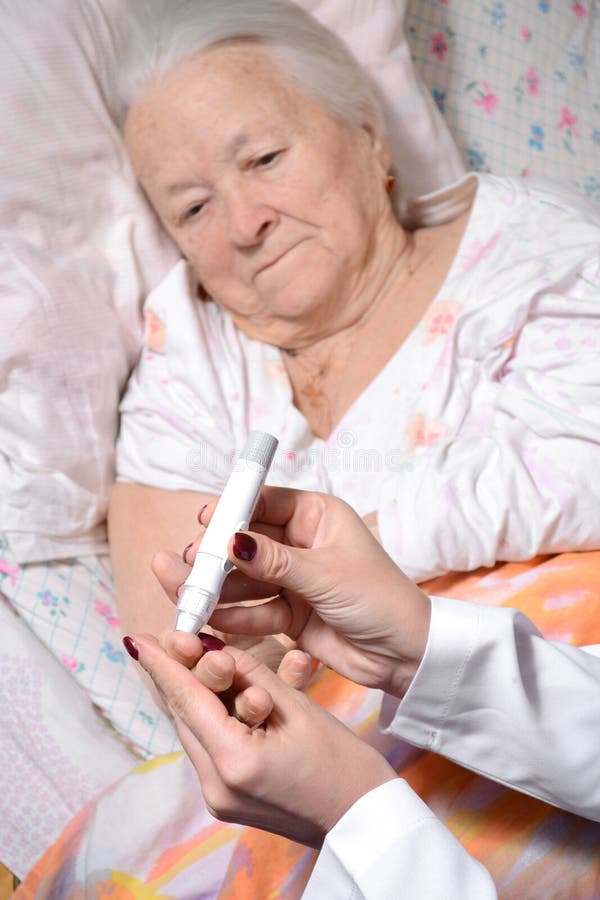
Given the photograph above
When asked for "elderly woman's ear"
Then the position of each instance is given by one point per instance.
(381, 148)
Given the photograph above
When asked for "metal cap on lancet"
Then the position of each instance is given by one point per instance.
(260, 448)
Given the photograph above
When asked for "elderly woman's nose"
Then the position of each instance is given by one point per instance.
(250, 220)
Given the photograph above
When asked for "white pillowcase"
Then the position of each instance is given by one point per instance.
(79, 250)
(425, 156)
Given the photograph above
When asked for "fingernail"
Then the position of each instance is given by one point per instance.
(200, 513)
(210, 642)
(131, 647)
(244, 546)
(184, 554)
(178, 589)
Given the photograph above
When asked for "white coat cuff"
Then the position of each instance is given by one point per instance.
(453, 636)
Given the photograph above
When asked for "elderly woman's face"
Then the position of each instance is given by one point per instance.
(275, 204)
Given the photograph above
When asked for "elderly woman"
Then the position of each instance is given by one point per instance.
(444, 380)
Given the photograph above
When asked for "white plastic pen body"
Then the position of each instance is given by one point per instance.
(201, 590)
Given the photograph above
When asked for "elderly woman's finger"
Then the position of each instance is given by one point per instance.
(171, 571)
(188, 648)
(295, 669)
(200, 709)
(180, 645)
(215, 671)
(253, 706)
(186, 695)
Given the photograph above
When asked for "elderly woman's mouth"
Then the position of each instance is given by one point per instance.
(277, 258)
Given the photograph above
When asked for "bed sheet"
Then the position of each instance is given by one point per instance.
(69, 605)
(149, 836)
(518, 83)
(47, 772)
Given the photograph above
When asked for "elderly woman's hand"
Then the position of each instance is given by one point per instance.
(216, 672)
(334, 589)
(172, 570)
(297, 775)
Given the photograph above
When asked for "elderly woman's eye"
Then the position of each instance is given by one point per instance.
(267, 158)
(194, 210)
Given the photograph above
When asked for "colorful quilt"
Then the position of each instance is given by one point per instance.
(148, 836)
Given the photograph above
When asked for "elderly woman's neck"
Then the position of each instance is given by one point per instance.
(379, 282)
(328, 374)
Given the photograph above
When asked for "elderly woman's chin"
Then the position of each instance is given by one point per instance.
(291, 305)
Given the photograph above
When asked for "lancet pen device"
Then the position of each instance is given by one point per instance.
(202, 587)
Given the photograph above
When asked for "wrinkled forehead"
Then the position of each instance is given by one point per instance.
(237, 80)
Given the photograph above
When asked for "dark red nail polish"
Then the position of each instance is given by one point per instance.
(131, 647)
(244, 546)
(200, 513)
(184, 554)
(210, 642)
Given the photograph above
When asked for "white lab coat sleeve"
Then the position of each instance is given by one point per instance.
(494, 695)
(390, 844)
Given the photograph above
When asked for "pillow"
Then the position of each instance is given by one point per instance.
(517, 83)
(425, 155)
(80, 248)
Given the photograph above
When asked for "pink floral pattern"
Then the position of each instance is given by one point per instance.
(486, 99)
(423, 433)
(439, 45)
(525, 32)
(477, 250)
(106, 611)
(154, 331)
(8, 571)
(72, 664)
(439, 318)
(516, 81)
(568, 121)
(532, 80)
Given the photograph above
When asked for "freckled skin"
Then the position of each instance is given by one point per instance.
(284, 215)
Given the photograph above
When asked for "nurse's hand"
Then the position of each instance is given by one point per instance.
(334, 589)
(296, 775)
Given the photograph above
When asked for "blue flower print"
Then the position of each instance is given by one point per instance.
(476, 159)
(544, 6)
(591, 186)
(575, 58)
(537, 137)
(440, 99)
(115, 655)
(498, 14)
(53, 602)
(145, 717)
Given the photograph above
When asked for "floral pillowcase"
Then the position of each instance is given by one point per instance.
(518, 82)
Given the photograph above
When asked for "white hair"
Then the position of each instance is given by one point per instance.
(154, 36)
